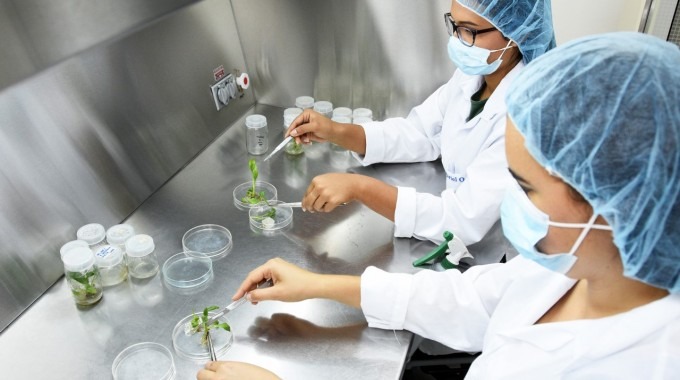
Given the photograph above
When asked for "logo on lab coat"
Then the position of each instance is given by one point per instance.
(454, 178)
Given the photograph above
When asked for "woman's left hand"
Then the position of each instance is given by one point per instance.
(328, 191)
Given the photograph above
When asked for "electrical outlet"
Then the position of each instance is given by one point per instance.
(223, 91)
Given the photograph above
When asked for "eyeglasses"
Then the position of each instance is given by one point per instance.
(466, 35)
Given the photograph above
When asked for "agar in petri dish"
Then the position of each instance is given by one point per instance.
(189, 346)
(209, 240)
(143, 361)
(261, 219)
(187, 270)
(240, 193)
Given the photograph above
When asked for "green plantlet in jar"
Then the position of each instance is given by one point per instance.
(86, 288)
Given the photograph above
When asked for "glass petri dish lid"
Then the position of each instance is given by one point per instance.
(189, 346)
(187, 270)
(240, 194)
(144, 361)
(261, 219)
(209, 240)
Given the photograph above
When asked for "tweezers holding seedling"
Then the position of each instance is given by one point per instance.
(192, 330)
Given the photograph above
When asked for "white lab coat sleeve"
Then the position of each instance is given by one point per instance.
(449, 307)
(411, 139)
(469, 211)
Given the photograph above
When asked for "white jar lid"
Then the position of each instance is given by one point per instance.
(72, 244)
(341, 119)
(256, 121)
(139, 245)
(119, 233)
(78, 259)
(362, 120)
(323, 106)
(342, 111)
(290, 114)
(108, 256)
(304, 102)
(362, 112)
(92, 233)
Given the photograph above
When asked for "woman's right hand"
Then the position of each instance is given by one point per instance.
(311, 126)
(291, 283)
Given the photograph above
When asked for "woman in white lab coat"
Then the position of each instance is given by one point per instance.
(594, 213)
(463, 122)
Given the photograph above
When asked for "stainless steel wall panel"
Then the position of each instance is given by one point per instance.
(41, 33)
(385, 55)
(89, 139)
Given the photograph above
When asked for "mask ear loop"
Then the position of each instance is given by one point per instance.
(583, 234)
(504, 49)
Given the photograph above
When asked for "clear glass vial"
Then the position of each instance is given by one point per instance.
(82, 275)
(362, 112)
(93, 233)
(141, 258)
(289, 115)
(325, 108)
(118, 234)
(304, 102)
(257, 141)
(111, 264)
(342, 112)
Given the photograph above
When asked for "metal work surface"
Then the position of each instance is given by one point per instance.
(307, 340)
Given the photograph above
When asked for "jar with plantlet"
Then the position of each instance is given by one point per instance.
(82, 276)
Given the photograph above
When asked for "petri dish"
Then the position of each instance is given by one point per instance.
(241, 190)
(144, 361)
(187, 270)
(190, 346)
(260, 221)
(209, 240)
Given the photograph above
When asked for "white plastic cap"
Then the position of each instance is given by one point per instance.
(362, 112)
(243, 81)
(108, 256)
(92, 233)
(342, 112)
(256, 121)
(139, 245)
(304, 102)
(119, 233)
(72, 244)
(323, 106)
(341, 119)
(289, 114)
(362, 120)
(78, 259)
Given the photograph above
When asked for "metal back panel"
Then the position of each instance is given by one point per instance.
(90, 138)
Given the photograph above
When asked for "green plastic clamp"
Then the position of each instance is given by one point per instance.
(437, 252)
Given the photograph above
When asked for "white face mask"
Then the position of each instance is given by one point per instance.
(525, 225)
(472, 60)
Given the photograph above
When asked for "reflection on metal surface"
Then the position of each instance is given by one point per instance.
(384, 55)
(89, 139)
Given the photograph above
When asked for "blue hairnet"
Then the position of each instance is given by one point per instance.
(527, 22)
(603, 113)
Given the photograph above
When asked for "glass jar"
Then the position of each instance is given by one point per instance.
(325, 108)
(362, 112)
(118, 234)
(141, 258)
(257, 140)
(112, 268)
(304, 102)
(82, 275)
(342, 112)
(93, 233)
(289, 115)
